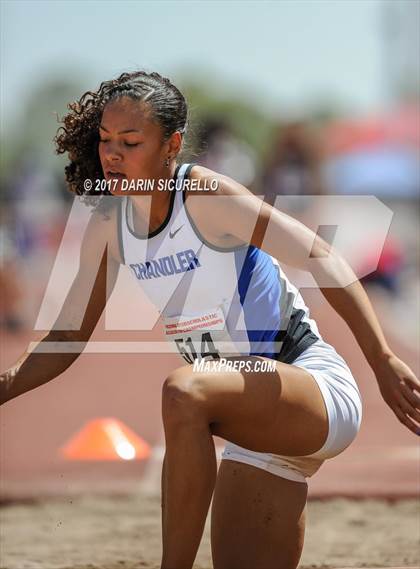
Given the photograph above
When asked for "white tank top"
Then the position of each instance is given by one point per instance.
(214, 301)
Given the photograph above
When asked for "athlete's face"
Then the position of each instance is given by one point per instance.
(131, 146)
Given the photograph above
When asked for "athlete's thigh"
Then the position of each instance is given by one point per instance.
(257, 519)
(280, 412)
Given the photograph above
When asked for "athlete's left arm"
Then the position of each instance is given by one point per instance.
(291, 242)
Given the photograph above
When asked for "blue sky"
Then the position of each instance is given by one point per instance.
(282, 53)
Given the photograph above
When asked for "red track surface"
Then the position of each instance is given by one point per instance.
(383, 461)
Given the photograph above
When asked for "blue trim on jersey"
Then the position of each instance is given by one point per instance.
(259, 292)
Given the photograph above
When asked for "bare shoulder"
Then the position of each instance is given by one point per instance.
(243, 218)
(224, 186)
(213, 217)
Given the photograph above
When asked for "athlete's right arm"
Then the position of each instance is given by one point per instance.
(78, 317)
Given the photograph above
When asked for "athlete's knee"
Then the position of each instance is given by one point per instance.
(183, 397)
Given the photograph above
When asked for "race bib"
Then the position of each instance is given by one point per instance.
(200, 335)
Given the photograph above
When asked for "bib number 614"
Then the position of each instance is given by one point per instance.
(187, 350)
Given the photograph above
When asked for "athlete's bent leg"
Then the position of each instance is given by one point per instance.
(188, 477)
(257, 519)
(280, 412)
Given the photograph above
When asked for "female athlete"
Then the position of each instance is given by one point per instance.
(209, 261)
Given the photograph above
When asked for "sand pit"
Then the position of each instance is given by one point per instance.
(123, 532)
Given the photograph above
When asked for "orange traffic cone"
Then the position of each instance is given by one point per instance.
(105, 439)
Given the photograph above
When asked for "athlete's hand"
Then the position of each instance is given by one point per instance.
(401, 390)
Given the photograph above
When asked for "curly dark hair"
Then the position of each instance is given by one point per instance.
(79, 135)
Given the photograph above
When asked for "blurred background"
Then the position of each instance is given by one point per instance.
(289, 98)
(300, 98)
(298, 101)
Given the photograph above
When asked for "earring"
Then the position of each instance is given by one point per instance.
(167, 162)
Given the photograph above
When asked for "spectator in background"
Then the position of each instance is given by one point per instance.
(10, 281)
(33, 215)
(293, 167)
(222, 151)
(390, 266)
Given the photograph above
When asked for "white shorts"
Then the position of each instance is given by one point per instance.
(344, 406)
